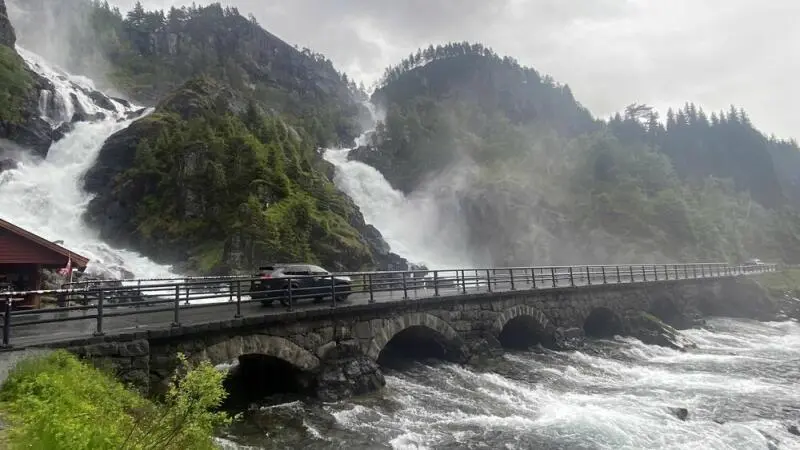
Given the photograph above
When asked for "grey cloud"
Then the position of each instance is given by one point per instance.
(611, 52)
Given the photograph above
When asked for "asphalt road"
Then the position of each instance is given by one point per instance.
(220, 307)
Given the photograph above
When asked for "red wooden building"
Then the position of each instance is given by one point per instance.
(23, 255)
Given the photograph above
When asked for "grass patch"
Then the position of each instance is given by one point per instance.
(15, 82)
(781, 282)
(59, 402)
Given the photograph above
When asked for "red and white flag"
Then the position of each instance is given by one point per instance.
(66, 270)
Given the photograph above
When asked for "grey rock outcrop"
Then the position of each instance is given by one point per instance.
(7, 35)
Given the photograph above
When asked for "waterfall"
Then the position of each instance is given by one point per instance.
(415, 227)
(46, 196)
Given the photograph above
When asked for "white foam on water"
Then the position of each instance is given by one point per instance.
(47, 197)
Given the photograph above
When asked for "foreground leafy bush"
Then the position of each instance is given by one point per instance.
(59, 402)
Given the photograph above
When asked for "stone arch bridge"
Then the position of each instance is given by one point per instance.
(341, 349)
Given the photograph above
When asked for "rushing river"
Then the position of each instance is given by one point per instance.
(740, 387)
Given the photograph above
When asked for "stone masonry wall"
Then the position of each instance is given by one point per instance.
(318, 340)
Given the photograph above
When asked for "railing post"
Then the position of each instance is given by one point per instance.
(702, 271)
(230, 292)
(571, 277)
(655, 272)
(666, 272)
(675, 268)
(633, 279)
(511, 279)
(371, 290)
(405, 286)
(7, 323)
(463, 282)
(619, 277)
(100, 302)
(435, 283)
(186, 283)
(644, 274)
(290, 294)
(488, 280)
(533, 277)
(588, 276)
(333, 289)
(238, 299)
(553, 275)
(603, 268)
(176, 307)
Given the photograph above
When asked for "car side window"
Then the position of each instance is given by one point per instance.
(317, 270)
(298, 270)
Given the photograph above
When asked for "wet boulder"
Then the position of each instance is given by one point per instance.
(101, 100)
(680, 413)
(568, 338)
(62, 131)
(122, 101)
(652, 331)
(8, 164)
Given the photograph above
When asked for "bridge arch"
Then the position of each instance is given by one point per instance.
(603, 322)
(522, 327)
(416, 335)
(266, 366)
(230, 350)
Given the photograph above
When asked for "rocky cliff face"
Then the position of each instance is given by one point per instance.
(19, 120)
(7, 35)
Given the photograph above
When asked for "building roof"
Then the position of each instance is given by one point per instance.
(78, 261)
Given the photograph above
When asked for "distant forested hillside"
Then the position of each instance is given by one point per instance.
(540, 180)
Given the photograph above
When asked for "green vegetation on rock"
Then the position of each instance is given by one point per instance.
(15, 85)
(781, 282)
(59, 402)
(212, 182)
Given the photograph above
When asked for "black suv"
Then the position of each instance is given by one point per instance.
(304, 280)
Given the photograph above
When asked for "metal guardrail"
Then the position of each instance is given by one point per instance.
(182, 297)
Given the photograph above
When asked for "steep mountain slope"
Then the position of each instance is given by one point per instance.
(536, 179)
(146, 54)
(19, 95)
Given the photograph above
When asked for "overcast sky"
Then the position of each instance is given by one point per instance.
(610, 52)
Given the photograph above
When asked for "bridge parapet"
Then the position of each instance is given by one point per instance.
(338, 347)
(92, 309)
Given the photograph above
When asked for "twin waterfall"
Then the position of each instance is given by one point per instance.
(47, 196)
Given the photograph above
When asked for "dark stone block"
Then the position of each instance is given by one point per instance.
(135, 348)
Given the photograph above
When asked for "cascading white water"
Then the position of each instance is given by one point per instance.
(47, 198)
(739, 386)
(412, 226)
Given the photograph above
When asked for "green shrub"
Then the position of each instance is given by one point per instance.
(59, 402)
